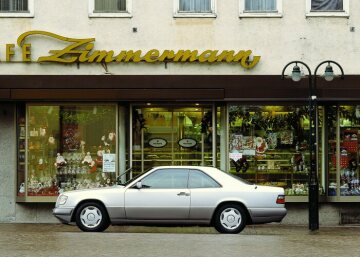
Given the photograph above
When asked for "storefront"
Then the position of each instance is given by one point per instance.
(88, 114)
(66, 144)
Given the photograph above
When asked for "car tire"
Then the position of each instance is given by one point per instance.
(230, 219)
(92, 217)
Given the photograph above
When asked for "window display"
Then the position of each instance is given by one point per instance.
(70, 147)
(170, 135)
(343, 125)
(269, 145)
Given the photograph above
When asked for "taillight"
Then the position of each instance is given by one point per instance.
(280, 199)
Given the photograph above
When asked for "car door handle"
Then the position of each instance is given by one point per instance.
(183, 194)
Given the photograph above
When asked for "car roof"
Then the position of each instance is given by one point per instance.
(215, 173)
(184, 167)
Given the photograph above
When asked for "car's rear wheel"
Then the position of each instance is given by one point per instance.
(92, 217)
(230, 218)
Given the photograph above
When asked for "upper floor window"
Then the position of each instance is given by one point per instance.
(194, 8)
(110, 8)
(327, 5)
(16, 8)
(260, 8)
(327, 8)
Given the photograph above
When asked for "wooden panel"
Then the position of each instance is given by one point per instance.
(117, 94)
(4, 94)
(176, 87)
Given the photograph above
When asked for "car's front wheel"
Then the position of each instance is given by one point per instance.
(92, 217)
(230, 218)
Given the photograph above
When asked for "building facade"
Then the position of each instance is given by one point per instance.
(90, 89)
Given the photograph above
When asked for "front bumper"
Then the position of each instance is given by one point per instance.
(63, 214)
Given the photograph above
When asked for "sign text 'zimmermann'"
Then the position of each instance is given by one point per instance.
(82, 51)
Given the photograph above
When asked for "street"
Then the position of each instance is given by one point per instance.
(265, 240)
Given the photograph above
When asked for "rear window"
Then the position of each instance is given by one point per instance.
(238, 178)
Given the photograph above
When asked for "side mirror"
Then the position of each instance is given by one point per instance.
(138, 185)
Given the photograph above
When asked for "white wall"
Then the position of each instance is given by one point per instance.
(277, 40)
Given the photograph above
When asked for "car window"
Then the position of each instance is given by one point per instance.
(167, 178)
(238, 178)
(126, 179)
(198, 179)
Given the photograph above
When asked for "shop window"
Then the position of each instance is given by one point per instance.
(16, 8)
(269, 146)
(260, 8)
(172, 135)
(194, 8)
(344, 133)
(67, 147)
(327, 8)
(110, 8)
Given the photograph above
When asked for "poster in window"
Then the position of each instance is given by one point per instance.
(109, 164)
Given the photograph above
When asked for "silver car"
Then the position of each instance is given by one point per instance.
(174, 195)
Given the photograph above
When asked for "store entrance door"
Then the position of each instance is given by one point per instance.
(171, 135)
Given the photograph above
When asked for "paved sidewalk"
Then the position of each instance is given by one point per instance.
(36, 240)
(267, 229)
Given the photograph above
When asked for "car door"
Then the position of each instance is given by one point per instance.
(205, 195)
(163, 196)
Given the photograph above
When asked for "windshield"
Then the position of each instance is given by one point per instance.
(125, 178)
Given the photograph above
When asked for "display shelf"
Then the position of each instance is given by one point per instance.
(280, 168)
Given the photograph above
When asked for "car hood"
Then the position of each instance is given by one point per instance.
(93, 189)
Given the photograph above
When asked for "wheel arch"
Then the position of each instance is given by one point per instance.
(73, 218)
(248, 216)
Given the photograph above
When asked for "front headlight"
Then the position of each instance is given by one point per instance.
(61, 200)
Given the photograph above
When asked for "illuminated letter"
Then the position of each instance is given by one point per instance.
(208, 56)
(99, 56)
(9, 52)
(58, 55)
(129, 55)
(83, 56)
(167, 54)
(185, 56)
(227, 55)
(249, 65)
(242, 55)
(151, 56)
(26, 52)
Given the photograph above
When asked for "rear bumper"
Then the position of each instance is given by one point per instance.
(267, 215)
(63, 214)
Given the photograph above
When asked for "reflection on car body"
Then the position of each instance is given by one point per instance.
(174, 195)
